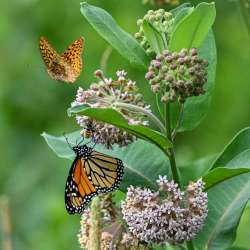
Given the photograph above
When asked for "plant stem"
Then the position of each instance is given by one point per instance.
(104, 59)
(170, 153)
(158, 106)
(144, 111)
(95, 227)
(180, 116)
(5, 223)
(190, 245)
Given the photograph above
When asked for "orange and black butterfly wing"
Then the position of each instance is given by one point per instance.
(91, 175)
(104, 172)
(79, 190)
(73, 56)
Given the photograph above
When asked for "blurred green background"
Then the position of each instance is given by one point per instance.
(31, 102)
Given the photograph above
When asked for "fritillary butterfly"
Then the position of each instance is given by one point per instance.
(65, 67)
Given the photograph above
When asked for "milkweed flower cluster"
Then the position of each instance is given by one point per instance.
(177, 76)
(160, 19)
(161, 2)
(174, 218)
(111, 93)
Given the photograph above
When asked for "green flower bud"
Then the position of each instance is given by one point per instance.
(149, 51)
(169, 78)
(146, 17)
(182, 70)
(164, 69)
(173, 66)
(175, 55)
(165, 98)
(150, 12)
(152, 18)
(158, 17)
(161, 12)
(193, 52)
(155, 88)
(143, 43)
(137, 35)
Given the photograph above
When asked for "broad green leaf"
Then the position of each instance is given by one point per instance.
(113, 117)
(196, 108)
(180, 15)
(192, 171)
(193, 29)
(117, 197)
(166, 247)
(154, 37)
(143, 161)
(122, 41)
(238, 248)
(219, 175)
(243, 233)
(227, 199)
(179, 8)
(238, 145)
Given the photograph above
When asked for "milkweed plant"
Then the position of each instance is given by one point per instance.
(160, 203)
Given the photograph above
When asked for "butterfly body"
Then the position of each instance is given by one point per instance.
(65, 67)
(91, 173)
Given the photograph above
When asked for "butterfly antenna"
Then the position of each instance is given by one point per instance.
(93, 145)
(66, 138)
(80, 141)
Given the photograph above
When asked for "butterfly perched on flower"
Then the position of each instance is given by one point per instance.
(91, 173)
(65, 67)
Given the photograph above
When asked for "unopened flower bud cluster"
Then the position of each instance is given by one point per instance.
(107, 93)
(173, 218)
(161, 2)
(162, 22)
(177, 76)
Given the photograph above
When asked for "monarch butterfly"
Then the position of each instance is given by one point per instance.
(65, 67)
(91, 173)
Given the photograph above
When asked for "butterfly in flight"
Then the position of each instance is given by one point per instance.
(65, 67)
(91, 173)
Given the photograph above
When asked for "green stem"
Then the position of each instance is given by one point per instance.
(105, 57)
(170, 153)
(144, 111)
(190, 245)
(180, 116)
(5, 223)
(158, 107)
(95, 225)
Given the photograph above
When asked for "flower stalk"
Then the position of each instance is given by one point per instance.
(170, 153)
(5, 223)
(178, 123)
(137, 109)
(95, 227)
(190, 245)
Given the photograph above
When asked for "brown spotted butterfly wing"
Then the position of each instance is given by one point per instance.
(65, 67)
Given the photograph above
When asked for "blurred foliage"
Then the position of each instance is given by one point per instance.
(30, 102)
